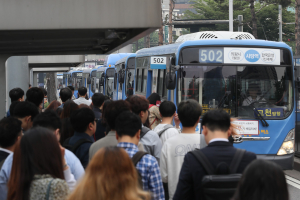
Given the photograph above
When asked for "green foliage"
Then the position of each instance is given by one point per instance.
(267, 15)
(153, 41)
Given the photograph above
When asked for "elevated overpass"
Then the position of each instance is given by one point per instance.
(77, 27)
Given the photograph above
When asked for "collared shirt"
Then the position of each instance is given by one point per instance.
(82, 100)
(72, 161)
(149, 170)
(97, 112)
(6, 150)
(219, 140)
(82, 151)
(61, 106)
(152, 144)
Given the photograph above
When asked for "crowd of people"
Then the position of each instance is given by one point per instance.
(137, 148)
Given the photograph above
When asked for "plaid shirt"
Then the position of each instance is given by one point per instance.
(149, 170)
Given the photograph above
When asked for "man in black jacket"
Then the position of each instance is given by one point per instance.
(216, 129)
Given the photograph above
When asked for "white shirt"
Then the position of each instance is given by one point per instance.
(249, 100)
(167, 134)
(172, 156)
(6, 150)
(219, 140)
(82, 100)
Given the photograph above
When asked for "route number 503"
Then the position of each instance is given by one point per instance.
(211, 56)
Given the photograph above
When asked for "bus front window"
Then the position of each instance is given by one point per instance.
(239, 89)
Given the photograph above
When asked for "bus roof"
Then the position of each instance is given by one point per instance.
(101, 69)
(87, 71)
(175, 48)
(124, 60)
(113, 58)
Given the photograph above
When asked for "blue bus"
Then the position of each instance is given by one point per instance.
(76, 77)
(125, 68)
(67, 79)
(252, 80)
(89, 80)
(107, 83)
(59, 81)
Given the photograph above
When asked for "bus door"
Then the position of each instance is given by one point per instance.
(297, 96)
(109, 82)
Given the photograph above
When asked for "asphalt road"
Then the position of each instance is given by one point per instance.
(293, 181)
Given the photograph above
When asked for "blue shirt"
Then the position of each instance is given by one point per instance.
(149, 170)
(82, 151)
(72, 161)
(8, 113)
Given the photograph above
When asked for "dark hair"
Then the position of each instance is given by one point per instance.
(59, 111)
(82, 91)
(24, 109)
(98, 99)
(48, 119)
(37, 153)
(12, 108)
(69, 108)
(15, 94)
(10, 129)
(35, 95)
(105, 104)
(128, 123)
(216, 120)
(167, 109)
(113, 110)
(153, 98)
(138, 104)
(65, 94)
(81, 118)
(53, 105)
(71, 87)
(189, 112)
(44, 91)
(66, 131)
(262, 179)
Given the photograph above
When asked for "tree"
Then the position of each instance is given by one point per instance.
(51, 88)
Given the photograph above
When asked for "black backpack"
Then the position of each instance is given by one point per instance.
(74, 147)
(135, 159)
(219, 186)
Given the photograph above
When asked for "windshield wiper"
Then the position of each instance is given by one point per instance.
(260, 117)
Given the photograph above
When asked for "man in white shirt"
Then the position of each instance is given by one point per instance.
(165, 129)
(82, 91)
(253, 92)
(175, 148)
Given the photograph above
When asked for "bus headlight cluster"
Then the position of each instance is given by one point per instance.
(287, 146)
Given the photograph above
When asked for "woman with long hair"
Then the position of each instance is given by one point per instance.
(38, 168)
(262, 180)
(67, 130)
(53, 105)
(110, 175)
(154, 114)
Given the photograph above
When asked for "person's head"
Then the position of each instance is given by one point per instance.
(128, 127)
(216, 124)
(44, 91)
(25, 112)
(65, 94)
(84, 106)
(82, 91)
(153, 98)
(16, 94)
(59, 111)
(71, 88)
(10, 132)
(50, 120)
(69, 108)
(38, 152)
(98, 99)
(262, 179)
(167, 109)
(109, 175)
(29, 86)
(113, 110)
(253, 90)
(139, 106)
(189, 113)
(53, 105)
(83, 121)
(36, 96)
(12, 108)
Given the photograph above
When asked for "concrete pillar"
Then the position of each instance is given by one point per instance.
(126, 49)
(34, 81)
(3, 59)
(17, 75)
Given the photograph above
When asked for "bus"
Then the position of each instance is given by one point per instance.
(76, 77)
(107, 83)
(59, 81)
(252, 80)
(67, 79)
(125, 68)
(89, 80)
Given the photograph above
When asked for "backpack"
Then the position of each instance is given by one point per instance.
(144, 131)
(135, 159)
(219, 186)
(74, 147)
(166, 127)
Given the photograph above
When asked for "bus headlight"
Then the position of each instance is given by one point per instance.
(287, 146)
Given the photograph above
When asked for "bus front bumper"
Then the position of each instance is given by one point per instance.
(286, 162)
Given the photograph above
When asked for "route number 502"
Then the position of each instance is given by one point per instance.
(211, 56)
(158, 60)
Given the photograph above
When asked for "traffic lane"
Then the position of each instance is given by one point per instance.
(293, 181)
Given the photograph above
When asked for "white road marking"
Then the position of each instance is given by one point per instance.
(292, 181)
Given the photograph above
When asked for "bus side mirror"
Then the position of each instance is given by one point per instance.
(121, 76)
(129, 74)
(101, 83)
(170, 80)
(89, 81)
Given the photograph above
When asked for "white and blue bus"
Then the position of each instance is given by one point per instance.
(76, 77)
(252, 80)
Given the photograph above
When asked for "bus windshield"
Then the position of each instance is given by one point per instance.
(239, 89)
